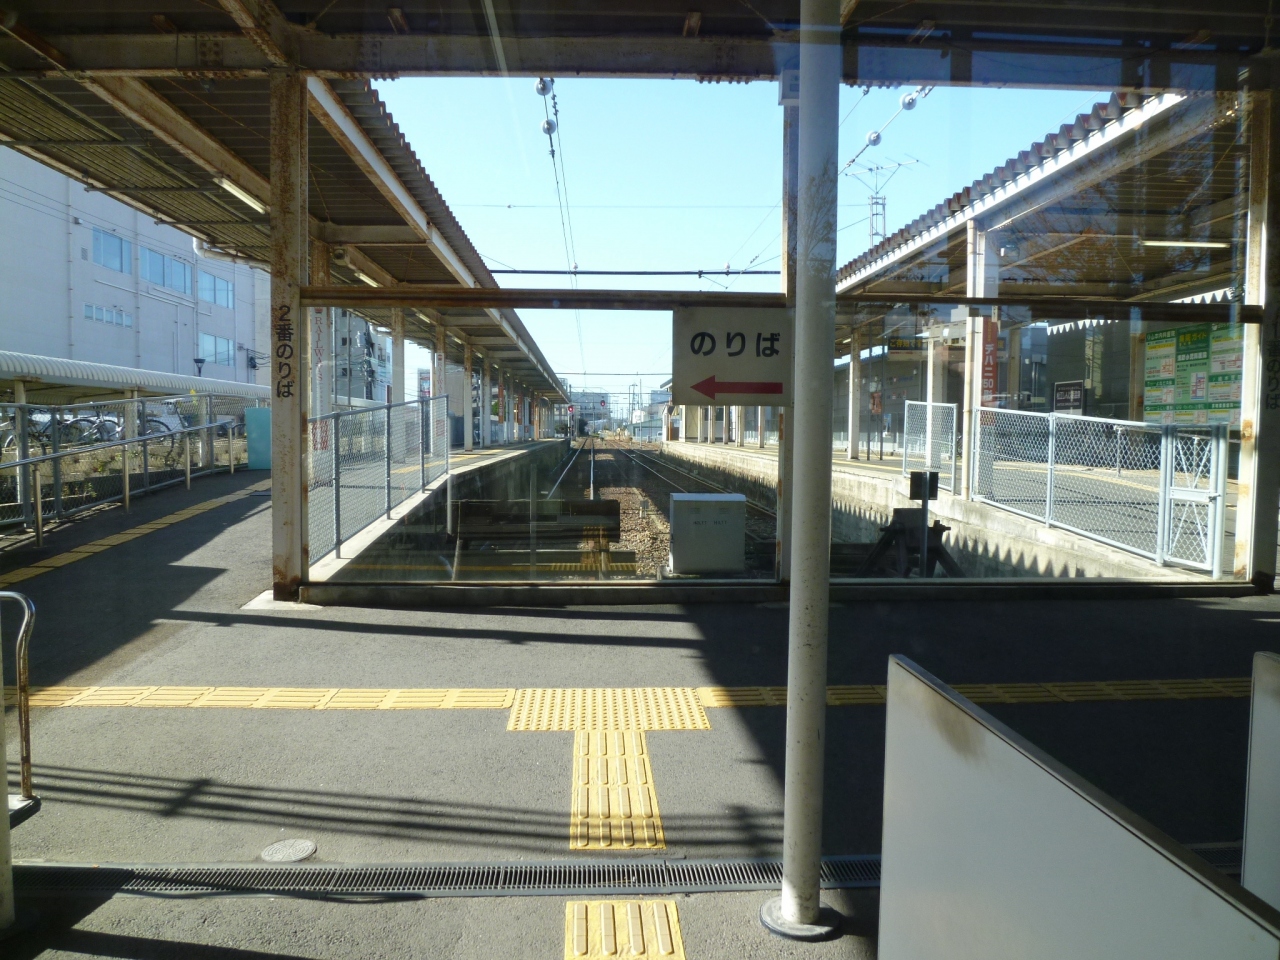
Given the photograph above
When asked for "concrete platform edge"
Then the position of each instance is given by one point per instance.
(430, 596)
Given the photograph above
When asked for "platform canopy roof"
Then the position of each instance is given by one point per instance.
(164, 105)
(1108, 43)
(1144, 200)
(193, 152)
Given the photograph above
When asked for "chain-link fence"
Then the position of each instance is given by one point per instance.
(1157, 491)
(366, 462)
(929, 441)
(53, 484)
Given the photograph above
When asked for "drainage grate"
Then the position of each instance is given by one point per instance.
(411, 880)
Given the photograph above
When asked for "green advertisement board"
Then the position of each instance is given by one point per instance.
(1192, 374)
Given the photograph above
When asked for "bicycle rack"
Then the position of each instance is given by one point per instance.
(24, 805)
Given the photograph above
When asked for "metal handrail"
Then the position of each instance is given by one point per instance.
(23, 671)
(143, 438)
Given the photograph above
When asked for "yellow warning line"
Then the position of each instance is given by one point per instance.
(607, 708)
(270, 698)
(609, 929)
(133, 533)
(614, 804)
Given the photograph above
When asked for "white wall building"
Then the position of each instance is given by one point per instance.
(85, 277)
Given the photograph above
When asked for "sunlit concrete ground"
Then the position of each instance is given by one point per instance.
(188, 785)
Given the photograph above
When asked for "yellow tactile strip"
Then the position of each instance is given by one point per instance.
(615, 804)
(1077, 692)
(97, 546)
(607, 708)
(278, 698)
(622, 708)
(601, 929)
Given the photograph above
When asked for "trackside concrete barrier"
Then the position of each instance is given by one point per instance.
(993, 850)
(1260, 873)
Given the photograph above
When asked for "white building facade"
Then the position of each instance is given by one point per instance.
(86, 277)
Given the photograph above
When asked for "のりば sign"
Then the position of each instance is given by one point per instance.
(731, 355)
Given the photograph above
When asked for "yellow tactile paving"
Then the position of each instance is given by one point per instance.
(622, 708)
(607, 708)
(270, 698)
(133, 533)
(614, 804)
(604, 929)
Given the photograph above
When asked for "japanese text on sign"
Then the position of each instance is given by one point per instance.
(727, 355)
(282, 333)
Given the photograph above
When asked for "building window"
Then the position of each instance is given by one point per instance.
(216, 290)
(164, 271)
(216, 350)
(107, 315)
(112, 252)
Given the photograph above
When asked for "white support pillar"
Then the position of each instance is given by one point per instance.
(854, 414)
(439, 387)
(786, 454)
(322, 366)
(511, 408)
(980, 281)
(1259, 477)
(468, 399)
(684, 424)
(797, 912)
(8, 915)
(290, 331)
(486, 404)
(397, 355)
(739, 425)
(759, 426)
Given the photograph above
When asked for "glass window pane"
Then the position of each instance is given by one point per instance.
(128, 319)
(97, 313)
(206, 287)
(88, 311)
(207, 350)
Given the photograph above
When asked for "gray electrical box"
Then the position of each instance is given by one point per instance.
(708, 533)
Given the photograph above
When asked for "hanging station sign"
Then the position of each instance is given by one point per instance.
(730, 355)
(1192, 374)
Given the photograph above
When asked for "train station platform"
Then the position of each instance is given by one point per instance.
(986, 540)
(182, 719)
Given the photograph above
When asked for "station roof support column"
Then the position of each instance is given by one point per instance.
(1259, 483)
(797, 913)
(397, 355)
(290, 332)
(468, 398)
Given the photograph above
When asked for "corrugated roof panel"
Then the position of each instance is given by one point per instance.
(105, 376)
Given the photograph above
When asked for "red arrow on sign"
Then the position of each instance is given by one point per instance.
(710, 386)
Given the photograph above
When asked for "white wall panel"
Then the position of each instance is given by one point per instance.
(994, 851)
(1261, 873)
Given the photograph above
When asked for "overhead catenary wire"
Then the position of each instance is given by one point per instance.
(551, 127)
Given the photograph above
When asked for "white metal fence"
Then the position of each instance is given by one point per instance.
(929, 441)
(1157, 491)
(56, 461)
(365, 462)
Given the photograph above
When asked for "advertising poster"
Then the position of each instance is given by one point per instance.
(1192, 375)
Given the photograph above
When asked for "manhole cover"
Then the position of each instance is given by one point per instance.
(288, 851)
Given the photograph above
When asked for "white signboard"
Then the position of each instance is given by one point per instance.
(731, 355)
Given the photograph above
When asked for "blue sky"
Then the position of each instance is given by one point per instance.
(677, 175)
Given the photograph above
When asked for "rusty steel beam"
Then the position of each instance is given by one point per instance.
(347, 132)
(264, 25)
(344, 56)
(442, 296)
